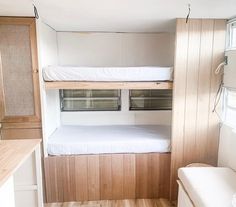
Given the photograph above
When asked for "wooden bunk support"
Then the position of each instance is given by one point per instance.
(109, 176)
(109, 85)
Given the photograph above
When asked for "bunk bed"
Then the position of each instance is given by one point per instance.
(108, 162)
(59, 77)
(77, 140)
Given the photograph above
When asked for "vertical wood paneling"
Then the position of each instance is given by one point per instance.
(52, 179)
(81, 178)
(164, 171)
(191, 96)
(155, 175)
(68, 178)
(129, 176)
(59, 179)
(195, 130)
(179, 90)
(110, 176)
(117, 176)
(142, 176)
(105, 177)
(48, 185)
(217, 58)
(204, 88)
(93, 178)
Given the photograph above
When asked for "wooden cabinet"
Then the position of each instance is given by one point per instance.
(19, 80)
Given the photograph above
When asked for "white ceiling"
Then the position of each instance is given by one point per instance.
(118, 15)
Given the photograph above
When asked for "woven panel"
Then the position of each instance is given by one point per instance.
(17, 70)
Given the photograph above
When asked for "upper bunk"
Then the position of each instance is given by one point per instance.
(61, 77)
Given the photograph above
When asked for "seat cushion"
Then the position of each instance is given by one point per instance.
(209, 186)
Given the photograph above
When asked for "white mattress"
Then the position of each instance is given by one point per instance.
(59, 73)
(209, 186)
(74, 140)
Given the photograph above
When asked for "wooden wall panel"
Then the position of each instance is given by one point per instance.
(217, 57)
(117, 176)
(110, 176)
(93, 178)
(105, 177)
(81, 178)
(129, 175)
(195, 128)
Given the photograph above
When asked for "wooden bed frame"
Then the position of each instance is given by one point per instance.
(107, 176)
(108, 85)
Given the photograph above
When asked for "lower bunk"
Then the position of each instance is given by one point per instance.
(88, 163)
(107, 176)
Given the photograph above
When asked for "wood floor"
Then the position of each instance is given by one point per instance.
(116, 203)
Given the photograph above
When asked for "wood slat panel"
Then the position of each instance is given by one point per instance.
(217, 58)
(195, 130)
(93, 178)
(156, 175)
(142, 176)
(129, 176)
(59, 179)
(179, 90)
(81, 178)
(117, 176)
(110, 176)
(191, 95)
(204, 88)
(164, 171)
(106, 176)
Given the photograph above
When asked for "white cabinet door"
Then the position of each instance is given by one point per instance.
(7, 197)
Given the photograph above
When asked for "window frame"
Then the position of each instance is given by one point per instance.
(229, 35)
(226, 106)
(150, 98)
(118, 98)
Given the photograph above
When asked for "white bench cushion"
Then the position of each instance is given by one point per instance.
(209, 186)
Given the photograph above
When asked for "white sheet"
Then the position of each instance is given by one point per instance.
(59, 73)
(74, 140)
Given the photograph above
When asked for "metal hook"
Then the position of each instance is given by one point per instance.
(36, 14)
(189, 12)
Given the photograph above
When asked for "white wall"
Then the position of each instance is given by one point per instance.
(48, 55)
(116, 49)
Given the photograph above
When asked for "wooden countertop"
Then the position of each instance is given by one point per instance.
(12, 155)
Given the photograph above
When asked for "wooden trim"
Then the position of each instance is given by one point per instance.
(2, 100)
(108, 176)
(22, 125)
(21, 133)
(17, 20)
(108, 85)
(35, 70)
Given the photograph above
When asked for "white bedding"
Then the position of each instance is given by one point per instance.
(75, 140)
(59, 73)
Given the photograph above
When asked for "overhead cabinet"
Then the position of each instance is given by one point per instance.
(19, 80)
